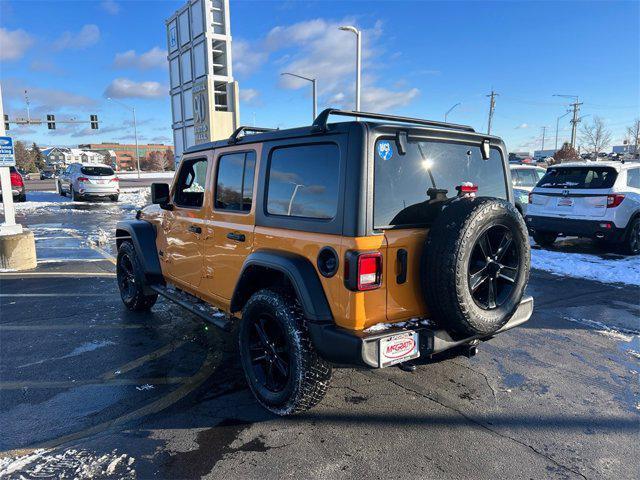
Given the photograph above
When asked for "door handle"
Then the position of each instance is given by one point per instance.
(238, 237)
(195, 229)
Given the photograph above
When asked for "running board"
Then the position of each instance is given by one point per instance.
(200, 309)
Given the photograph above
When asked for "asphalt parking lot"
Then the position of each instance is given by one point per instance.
(87, 387)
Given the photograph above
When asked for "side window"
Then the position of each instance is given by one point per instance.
(633, 178)
(191, 183)
(515, 178)
(234, 183)
(303, 181)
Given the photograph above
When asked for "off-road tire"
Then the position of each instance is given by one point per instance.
(628, 245)
(113, 198)
(309, 375)
(135, 299)
(61, 191)
(545, 239)
(22, 197)
(72, 194)
(446, 261)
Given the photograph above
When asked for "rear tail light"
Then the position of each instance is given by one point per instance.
(16, 179)
(363, 270)
(614, 200)
(83, 179)
(115, 179)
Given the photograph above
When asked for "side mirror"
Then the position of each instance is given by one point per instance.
(160, 194)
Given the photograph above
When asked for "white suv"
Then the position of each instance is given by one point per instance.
(81, 181)
(599, 200)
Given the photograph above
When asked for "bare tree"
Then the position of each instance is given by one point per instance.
(595, 136)
(634, 133)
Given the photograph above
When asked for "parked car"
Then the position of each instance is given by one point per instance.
(81, 181)
(523, 179)
(322, 236)
(47, 174)
(18, 189)
(599, 201)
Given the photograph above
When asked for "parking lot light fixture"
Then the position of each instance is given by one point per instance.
(358, 34)
(449, 111)
(313, 91)
(135, 129)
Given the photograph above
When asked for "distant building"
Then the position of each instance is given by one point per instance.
(513, 156)
(60, 157)
(542, 154)
(122, 156)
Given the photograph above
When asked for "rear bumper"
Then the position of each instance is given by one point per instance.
(98, 191)
(356, 348)
(576, 228)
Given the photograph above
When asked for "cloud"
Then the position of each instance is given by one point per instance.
(317, 49)
(14, 43)
(125, 88)
(110, 6)
(42, 98)
(522, 126)
(154, 58)
(249, 95)
(46, 66)
(86, 37)
(247, 59)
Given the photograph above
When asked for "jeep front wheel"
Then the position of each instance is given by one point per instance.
(475, 265)
(131, 280)
(283, 370)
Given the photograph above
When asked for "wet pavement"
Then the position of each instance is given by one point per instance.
(162, 395)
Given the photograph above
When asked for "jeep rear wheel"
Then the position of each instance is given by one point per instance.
(475, 265)
(283, 370)
(131, 280)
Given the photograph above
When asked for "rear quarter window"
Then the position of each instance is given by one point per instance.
(582, 178)
(633, 178)
(303, 181)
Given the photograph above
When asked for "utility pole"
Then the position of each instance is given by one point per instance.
(492, 106)
(575, 120)
(558, 125)
(544, 131)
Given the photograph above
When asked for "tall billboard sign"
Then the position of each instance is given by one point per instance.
(204, 95)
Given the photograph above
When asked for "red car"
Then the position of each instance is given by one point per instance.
(17, 186)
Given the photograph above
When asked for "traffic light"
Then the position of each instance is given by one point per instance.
(51, 122)
(94, 122)
(6, 121)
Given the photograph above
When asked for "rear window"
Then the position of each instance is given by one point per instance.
(97, 171)
(526, 177)
(582, 178)
(405, 185)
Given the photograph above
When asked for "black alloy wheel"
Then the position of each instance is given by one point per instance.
(269, 351)
(126, 277)
(493, 267)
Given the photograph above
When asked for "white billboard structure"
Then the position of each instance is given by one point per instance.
(204, 96)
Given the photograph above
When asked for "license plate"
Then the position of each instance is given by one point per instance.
(565, 202)
(100, 181)
(398, 348)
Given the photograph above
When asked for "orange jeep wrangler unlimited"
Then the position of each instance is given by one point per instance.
(357, 243)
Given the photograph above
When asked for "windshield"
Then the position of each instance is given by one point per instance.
(579, 178)
(526, 177)
(97, 171)
(409, 188)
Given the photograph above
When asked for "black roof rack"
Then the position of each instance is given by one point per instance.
(320, 123)
(235, 136)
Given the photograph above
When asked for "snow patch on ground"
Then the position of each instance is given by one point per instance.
(618, 333)
(139, 197)
(146, 174)
(580, 265)
(71, 463)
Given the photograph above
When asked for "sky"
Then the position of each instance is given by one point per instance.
(419, 59)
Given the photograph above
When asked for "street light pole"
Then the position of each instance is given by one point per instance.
(449, 111)
(135, 129)
(558, 125)
(358, 34)
(313, 91)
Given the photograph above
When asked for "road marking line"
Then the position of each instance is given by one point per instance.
(100, 383)
(144, 359)
(75, 326)
(9, 275)
(70, 260)
(193, 382)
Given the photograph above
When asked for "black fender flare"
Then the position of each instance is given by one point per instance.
(297, 269)
(143, 236)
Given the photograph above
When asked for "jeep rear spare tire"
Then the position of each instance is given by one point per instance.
(475, 265)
